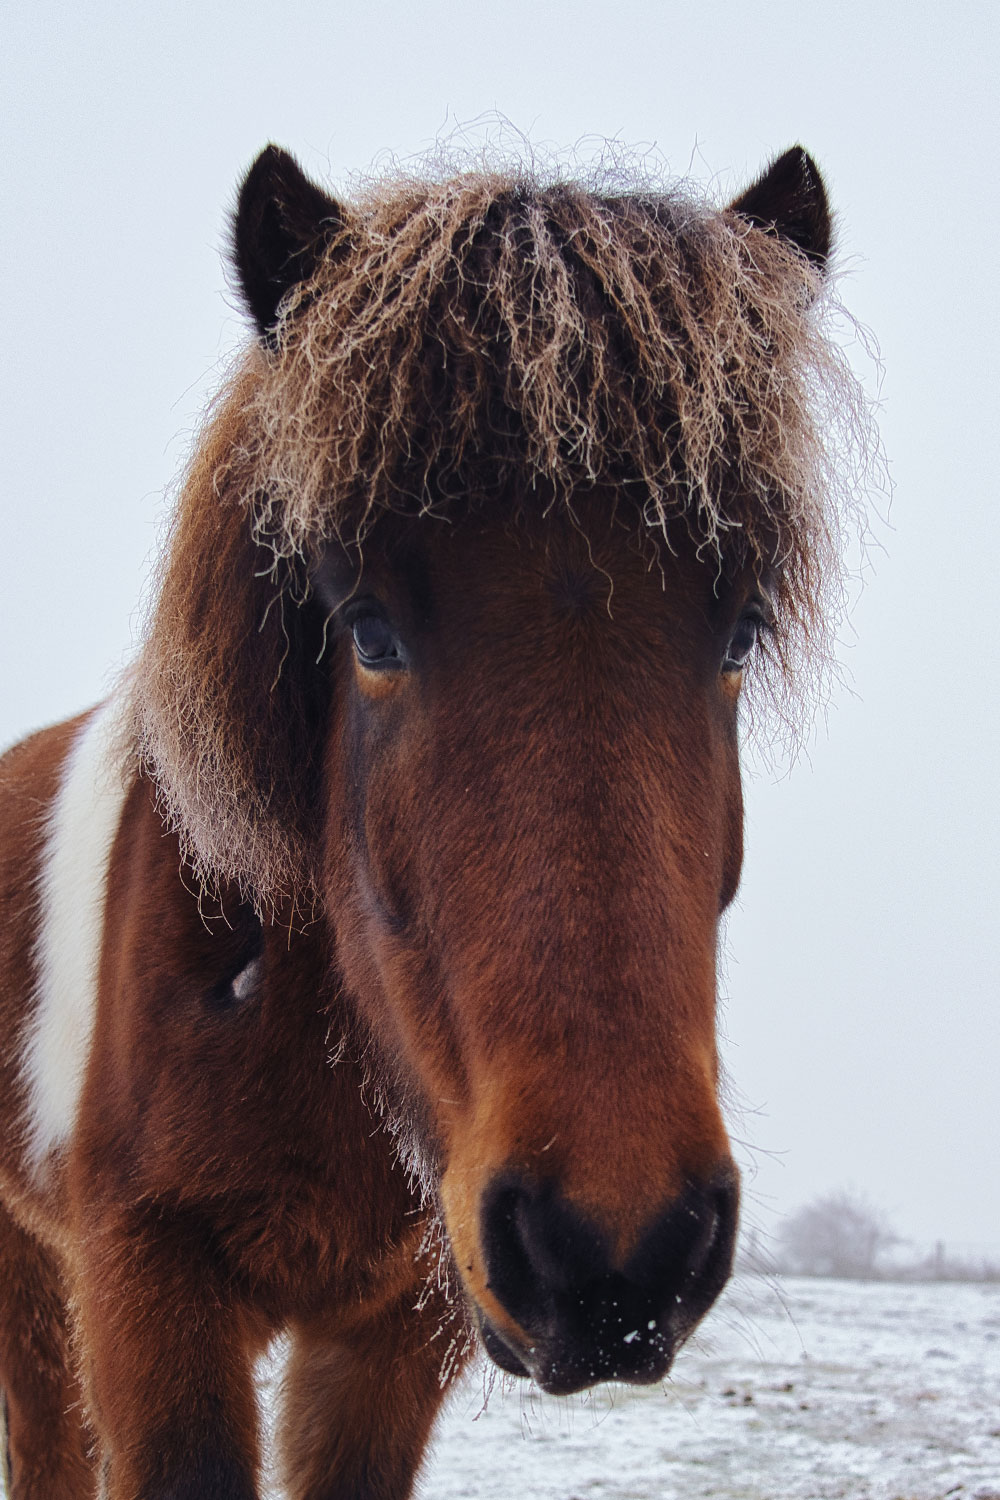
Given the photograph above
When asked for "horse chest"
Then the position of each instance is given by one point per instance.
(176, 1054)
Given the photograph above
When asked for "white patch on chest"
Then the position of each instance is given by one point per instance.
(80, 830)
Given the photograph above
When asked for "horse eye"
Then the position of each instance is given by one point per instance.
(741, 643)
(374, 641)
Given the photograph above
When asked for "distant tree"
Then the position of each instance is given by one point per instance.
(842, 1234)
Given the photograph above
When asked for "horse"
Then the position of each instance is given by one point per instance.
(358, 953)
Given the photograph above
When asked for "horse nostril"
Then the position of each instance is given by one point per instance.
(586, 1315)
(536, 1247)
(688, 1252)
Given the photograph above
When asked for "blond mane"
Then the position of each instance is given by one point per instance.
(496, 337)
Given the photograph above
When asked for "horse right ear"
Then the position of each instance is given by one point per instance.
(282, 225)
(789, 200)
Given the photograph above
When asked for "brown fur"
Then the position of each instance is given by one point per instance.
(46, 1425)
(46, 1428)
(563, 446)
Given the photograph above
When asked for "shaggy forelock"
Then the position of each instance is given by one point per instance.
(496, 340)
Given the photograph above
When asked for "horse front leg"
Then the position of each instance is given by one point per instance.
(168, 1361)
(360, 1400)
(44, 1441)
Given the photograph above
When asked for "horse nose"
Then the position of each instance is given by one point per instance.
(584, 1317)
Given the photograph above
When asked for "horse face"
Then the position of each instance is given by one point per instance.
(534, 822)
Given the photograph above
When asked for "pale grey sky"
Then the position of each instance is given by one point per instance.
(864, 1012)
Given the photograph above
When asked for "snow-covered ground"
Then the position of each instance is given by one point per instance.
(818, 1390)
(814, 1390)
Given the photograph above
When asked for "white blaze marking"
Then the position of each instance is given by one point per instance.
(81, 826)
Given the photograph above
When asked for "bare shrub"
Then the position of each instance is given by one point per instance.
(841, 1234)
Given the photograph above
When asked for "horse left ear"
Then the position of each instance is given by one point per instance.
(789, 200)
(282, 225)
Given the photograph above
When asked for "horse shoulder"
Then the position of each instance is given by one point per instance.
(218, 1090)
(60, 802)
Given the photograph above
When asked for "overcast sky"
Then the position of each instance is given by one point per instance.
(863, 1017)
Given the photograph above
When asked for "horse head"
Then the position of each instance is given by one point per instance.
(532, 467)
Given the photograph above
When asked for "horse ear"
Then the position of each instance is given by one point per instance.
(281, 227)
(789, 199)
